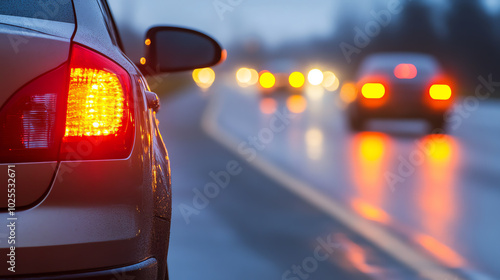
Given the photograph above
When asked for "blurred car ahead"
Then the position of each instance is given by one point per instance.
(284, 76)
(85, 173)
(400, 86)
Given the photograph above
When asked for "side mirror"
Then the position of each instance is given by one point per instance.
(172, 49)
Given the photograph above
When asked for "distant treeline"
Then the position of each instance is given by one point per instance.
(464, 37)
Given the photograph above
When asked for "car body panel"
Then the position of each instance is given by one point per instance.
(114, 212)
(35, 178)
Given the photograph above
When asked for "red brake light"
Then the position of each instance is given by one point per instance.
(373, 90)
(405, 71)
(79, 112)
(99, 117)
(440, 92)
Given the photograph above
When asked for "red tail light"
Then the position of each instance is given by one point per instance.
(99, 121)
(373, 90)
(440, 92)
(76, 113)
(267, 79)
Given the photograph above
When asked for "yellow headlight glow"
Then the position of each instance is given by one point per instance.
(296, 79)
(267, 80)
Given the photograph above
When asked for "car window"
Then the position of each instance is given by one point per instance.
(41, 9)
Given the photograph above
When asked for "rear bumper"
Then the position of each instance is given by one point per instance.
(381, 109)
(145, 270)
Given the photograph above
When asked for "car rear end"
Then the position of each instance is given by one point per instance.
(401, 86)
(85, 176)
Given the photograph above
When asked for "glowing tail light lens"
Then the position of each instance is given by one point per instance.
(440, 92)
(405, 71)
(99, 108)
(373, 90)
(95, 103)
(30, 129)
(296, 79)
(81, 110)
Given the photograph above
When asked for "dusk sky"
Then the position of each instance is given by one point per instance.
(272, 23)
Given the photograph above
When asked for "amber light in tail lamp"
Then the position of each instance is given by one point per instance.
(95, 103)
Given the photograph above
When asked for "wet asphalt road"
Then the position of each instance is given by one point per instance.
(440, 194)
(443, 205)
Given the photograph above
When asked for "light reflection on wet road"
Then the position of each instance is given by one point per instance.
(439, 193)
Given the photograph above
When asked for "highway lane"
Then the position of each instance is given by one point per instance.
(440, 195)
(254, 228)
